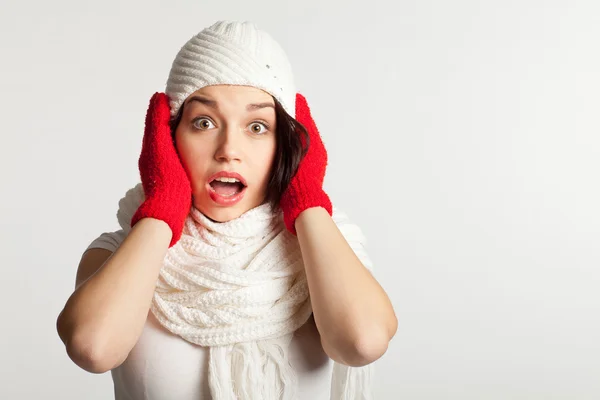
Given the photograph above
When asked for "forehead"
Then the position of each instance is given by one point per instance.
(233, 94)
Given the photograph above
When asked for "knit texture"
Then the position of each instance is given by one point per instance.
(166, 185)
(305, 190)
(231, 53)
(240, 288)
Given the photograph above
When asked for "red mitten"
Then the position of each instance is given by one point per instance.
(167, 189)
(306, 187)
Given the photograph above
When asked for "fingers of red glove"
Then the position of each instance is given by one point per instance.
(166, 186)
(315, 159)
(306, 187)
(156, 156)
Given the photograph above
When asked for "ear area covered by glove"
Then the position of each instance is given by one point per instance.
(305, 189)
(167, 189)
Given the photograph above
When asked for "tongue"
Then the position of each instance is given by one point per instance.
(225, 188)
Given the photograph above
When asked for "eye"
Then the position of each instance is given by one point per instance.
(202, 123)
(258, 128)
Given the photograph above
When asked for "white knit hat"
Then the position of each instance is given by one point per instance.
(233, 53)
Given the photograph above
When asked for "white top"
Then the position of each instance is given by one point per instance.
(163, 366)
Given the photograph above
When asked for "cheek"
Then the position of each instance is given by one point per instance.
(192, 156)
(264, 160)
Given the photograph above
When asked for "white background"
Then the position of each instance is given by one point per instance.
(463, 138)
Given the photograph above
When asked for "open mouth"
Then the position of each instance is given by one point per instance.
(227, 187)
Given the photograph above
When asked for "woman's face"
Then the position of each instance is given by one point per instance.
(226, 141)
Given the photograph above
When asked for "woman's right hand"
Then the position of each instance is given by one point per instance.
(167, 188)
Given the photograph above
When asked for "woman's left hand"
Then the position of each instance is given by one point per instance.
(305, 190)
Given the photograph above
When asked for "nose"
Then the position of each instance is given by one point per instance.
(229, 145)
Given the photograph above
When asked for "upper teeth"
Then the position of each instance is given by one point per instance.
(225, 179)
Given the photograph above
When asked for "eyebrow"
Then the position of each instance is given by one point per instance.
(213, 103)
(252, 107)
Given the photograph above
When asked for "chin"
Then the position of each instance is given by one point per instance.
(220, 213)
(224, 213)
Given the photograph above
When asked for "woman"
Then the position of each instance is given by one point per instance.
(233, 276)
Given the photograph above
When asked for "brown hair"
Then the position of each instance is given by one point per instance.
(289, 151)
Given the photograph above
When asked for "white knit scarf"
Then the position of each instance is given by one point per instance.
(240, 288)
